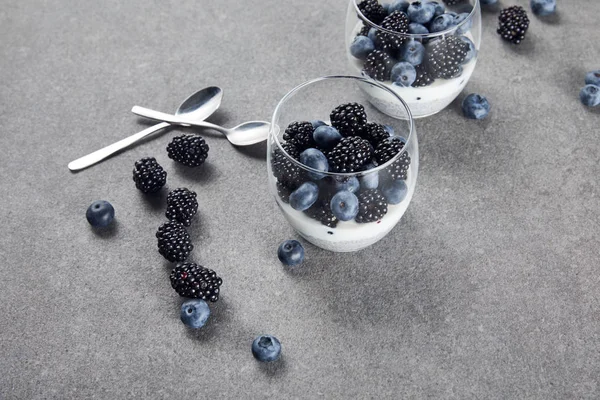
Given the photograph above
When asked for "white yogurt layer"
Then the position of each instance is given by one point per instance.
(422, 101)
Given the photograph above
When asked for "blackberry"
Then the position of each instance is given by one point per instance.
(284, 192)
(350, 154)
(148, 175)
(378, 65)
(195, 281)
(321, 211)
(387, 150)
(349, 119)
(174, 241)
(452, 2)
(424, 78)
(189, 150)
(445, 57)
(300, 134)
(513, 24)
(372, 10)
(181, 206)
(285, 170)
(399, 168)
(395, 22)
(375, 133)
(372, 206)
(364, 31)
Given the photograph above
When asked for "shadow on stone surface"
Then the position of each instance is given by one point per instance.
(107, 232)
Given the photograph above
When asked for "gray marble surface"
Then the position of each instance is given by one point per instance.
(487, 289)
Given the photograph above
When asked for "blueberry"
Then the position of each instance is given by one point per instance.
(439, 8)
(403, 74)
(386, 7)
(488, 2)
(317, 123)
(194, 313)
(417, 29)
(420, 12)
(441, 23)
(475, 106)
(327, 136)
(590, 95)
(472, 50)
(290, 252)
(593, 78)
(100, 214)
(344, 205)
(369, 180)
(389, 129)
(543, 7)
(466, 25)
(361, 47)
(346, 183)
(399, 5)
(412, 52)
(451, 13)
(395, 191)
(372, 35)
(266, 348)
(305, 196)
(315, 159)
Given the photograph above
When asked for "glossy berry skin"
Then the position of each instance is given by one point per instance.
(590, 95)
(403, 74)
(305, 196)
(348, 184)
(344, 205)
(317, 123)
(266, 348)
(399, 5)
(371, 179)
(466, 25)
(420, 12)
(412, 52)
(472, 50)
(100, 214)
(327, 136)
(441, 23)
(438, 7)
(395, 191)
(593, 78)
(417, 29)
(290, 253)
(314, 159)
(475, 106)
(361, 47)
(194, 313)
(543, 8)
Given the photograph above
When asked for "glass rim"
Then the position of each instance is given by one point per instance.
(415, 35)
(410, 120)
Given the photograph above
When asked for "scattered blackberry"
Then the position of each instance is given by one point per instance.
(378, 65)
(350, 154)
(424, 78)
(174, 241)
(372, 206)
(287, 172)
(513, 24)
(189, 150)
(195, 281)
(372, 10)
(395, 22)
(445, 57)
(300, 134)
(148, 175)
(375, 133)
(364, 31)
(181, 206)
(349, 119)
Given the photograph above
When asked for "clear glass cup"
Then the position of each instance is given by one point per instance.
(441, 65)
(384, 190)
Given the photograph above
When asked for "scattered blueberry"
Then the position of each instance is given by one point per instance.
(395, 191)
(420, 12)
(317, 123)
(194, 313)
(370, 180)
(475, 106)
(346, 183)
(543, 7)
(399, 5)
(266, 348)
(590, 95)
(327, 136)
(404, 74)
(315, 159)
(344, 205)
(417, 29)
(472, 50)
(100, 214)
(439, 8)
(467, 23)
(412, 52)
(305, 196)
(488, 2)
(441, 23)
(593, 78)
(290, 252)
(361, 47)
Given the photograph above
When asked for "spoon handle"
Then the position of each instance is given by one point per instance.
(173, 119)
(101, 154)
